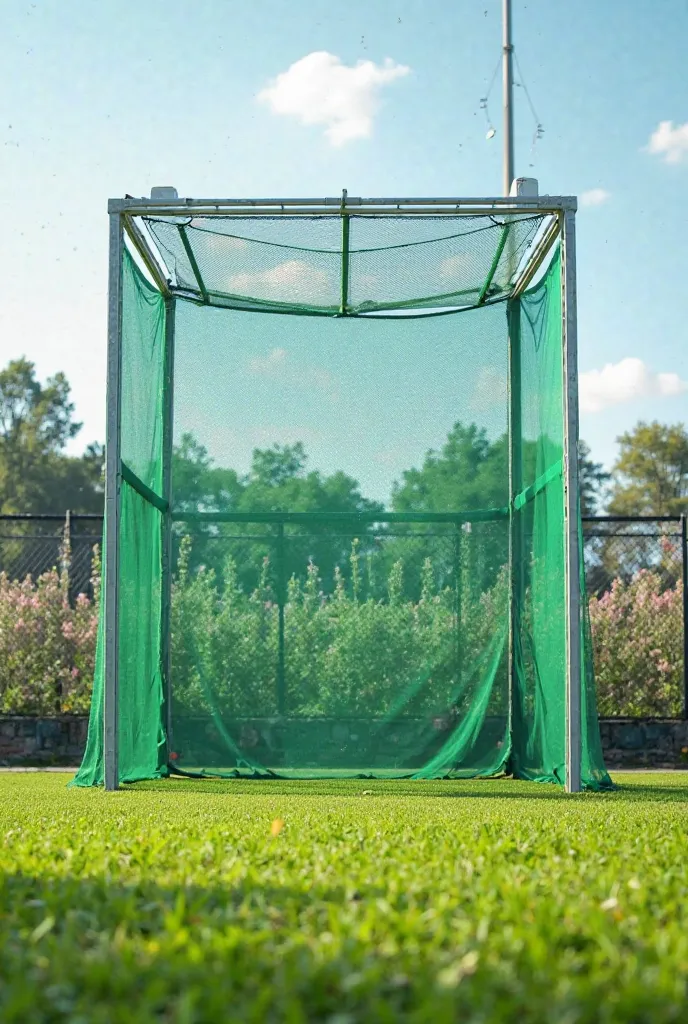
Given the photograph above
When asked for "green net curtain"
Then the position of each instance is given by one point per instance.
(356, 589)
(538, 535)
(142, 748)
(331, 617)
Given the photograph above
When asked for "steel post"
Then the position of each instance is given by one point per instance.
(113, 479)
(281, 599)
(167, 554)
(684, 564)
(571, 508)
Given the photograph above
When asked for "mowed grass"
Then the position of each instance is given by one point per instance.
(425, 902)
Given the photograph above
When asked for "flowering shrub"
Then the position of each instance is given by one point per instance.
(343, 655)
(637, 631)
(47, 646)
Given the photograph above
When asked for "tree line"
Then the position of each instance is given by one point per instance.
(649, 477)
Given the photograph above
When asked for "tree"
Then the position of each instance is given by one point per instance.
(593, 481)
(36, 422)
(651, 472)
(469, 472)
(200, 486)
(277, 481)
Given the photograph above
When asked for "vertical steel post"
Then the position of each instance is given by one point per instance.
(516, 568)
(574, 664)
(508, 96)
(458, 609)
(281, 597)
(684, 563)
(344, 297)
(67, 552)
(167, 554)
(113, 480)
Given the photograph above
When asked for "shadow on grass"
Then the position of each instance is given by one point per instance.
(93, 949)
(482, 789)
(96, 949)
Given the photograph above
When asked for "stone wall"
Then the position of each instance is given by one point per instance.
(42, 741)
(627, 742)
(644, 742)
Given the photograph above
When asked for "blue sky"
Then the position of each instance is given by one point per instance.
(114, 97)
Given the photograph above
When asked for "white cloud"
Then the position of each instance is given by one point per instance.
(594, 197)
(270, 364)
(625, 381)
(669, 142)
(455, 269)
(277, 366)
(319, 89)
(292, 281)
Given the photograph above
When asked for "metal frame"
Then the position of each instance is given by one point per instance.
(123, 214)
(574, 664)
(166, 573)
(514, 379)
(312, 207)
(113, 480)
(684, 558)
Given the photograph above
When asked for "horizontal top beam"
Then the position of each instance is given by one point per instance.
(353, 518)
(333, 206)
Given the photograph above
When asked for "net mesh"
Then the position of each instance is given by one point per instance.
(360, 507)
(356, 264)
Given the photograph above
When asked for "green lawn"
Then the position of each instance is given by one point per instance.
(415, 901)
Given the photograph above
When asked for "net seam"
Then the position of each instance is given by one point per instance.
(142, 489)
(529, 493)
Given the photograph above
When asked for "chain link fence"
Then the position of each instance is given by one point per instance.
(636, 578)
(31, 545)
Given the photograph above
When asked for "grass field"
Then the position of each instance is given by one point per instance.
(424, 902)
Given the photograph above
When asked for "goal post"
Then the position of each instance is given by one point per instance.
(225, 318)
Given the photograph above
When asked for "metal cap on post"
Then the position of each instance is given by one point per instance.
(527, 187)
(163, 193)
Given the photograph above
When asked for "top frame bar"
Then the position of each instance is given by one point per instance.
(332, 206)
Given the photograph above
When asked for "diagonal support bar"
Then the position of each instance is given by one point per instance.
(194, 265)
(495, 263)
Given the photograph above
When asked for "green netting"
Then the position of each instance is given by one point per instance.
(367, 513)
(142, 746)
(356, 264)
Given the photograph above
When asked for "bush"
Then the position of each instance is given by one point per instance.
(47, 646)
(637, 634)
(343, 655)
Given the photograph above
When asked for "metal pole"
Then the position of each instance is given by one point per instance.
(113, 478)
(167, 554)
(508, 96)
(453, 205)
(684, 563)
(571, 520)
(345, 258)
(281, 596)
(516, 568)
(458, 609)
